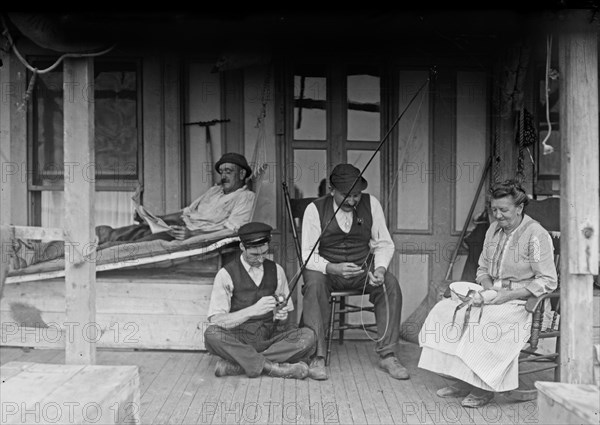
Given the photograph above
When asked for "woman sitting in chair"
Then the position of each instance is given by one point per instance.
(516, 263)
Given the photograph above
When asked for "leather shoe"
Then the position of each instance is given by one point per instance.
(393, 366)
(317, 369)
(227, 368)
(286, 370)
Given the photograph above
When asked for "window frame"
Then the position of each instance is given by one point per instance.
(118, 182)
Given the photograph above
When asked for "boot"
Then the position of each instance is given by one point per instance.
(286, 370)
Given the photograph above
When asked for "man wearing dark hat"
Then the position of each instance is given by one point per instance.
(354, 252)
(248, 315)
(226, 205)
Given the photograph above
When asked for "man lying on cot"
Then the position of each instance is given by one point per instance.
(226, 205)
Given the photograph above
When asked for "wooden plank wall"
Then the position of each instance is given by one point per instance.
(135, 312)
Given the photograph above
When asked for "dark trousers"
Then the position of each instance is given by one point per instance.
(133, 233)
(251, 344)
(107, 237)
(316, 308)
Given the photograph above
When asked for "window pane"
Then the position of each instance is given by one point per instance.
(310, 100)
(364, 101)
(116, 137)
(112, 208)
(309, 173)
(48, 128)
(116, 120)
(373, 172)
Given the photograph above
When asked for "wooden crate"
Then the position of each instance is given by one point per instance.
(34, 393)
(560, 403)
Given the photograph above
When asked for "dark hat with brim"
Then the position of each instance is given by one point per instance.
(234, 158)
(255, 234)
(343, 177)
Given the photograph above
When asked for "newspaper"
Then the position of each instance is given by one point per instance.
(156, 224)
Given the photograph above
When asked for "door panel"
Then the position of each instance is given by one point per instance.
(413, 177)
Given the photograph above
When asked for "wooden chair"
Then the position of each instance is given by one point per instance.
(547, 213)
(338, 300)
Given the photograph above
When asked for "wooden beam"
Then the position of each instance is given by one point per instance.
(5, 244)
(578, 67)
(13, 141)
(80, 276)
(45, 234)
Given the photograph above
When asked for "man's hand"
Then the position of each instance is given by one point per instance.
(180, 232)
(281, 314)
(346, 270)
(264, 305)
(377, 277)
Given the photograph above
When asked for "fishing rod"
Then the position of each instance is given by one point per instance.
(296, 277)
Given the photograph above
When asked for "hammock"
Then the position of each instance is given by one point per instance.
(160, 252)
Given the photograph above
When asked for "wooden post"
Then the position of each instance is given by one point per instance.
(578, 68)
(80, 273)
(5, 246)
(13, 146)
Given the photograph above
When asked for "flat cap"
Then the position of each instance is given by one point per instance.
(255, 234)
(343, 177)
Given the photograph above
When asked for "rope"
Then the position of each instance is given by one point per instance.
(259, 156)
(387, 304)
(496, 147)
(547, 149)
(35, 70)
(13, 46)
(520, 174)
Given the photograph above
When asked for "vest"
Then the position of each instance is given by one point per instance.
(245, 291)
(339, 247)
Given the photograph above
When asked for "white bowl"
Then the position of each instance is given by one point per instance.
(459, 290)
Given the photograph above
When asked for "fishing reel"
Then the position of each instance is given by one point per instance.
(279, 302)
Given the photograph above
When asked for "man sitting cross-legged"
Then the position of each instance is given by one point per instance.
(249, 332)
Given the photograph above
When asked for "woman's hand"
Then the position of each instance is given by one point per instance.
(502, 296)
(484, 296)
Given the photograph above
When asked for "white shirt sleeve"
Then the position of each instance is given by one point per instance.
(311, 231)
(381, 242)
(220, 298)
(282, 286)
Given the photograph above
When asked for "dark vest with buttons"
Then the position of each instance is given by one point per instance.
(335, 245)
(245, 291)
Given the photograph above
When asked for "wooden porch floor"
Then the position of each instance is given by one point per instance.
(179, 387)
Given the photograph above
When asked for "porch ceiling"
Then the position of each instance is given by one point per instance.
(471, 28)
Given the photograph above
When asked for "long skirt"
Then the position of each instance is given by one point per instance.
(484, 355)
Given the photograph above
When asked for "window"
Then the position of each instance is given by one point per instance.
(117, 141)
(334, 123)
